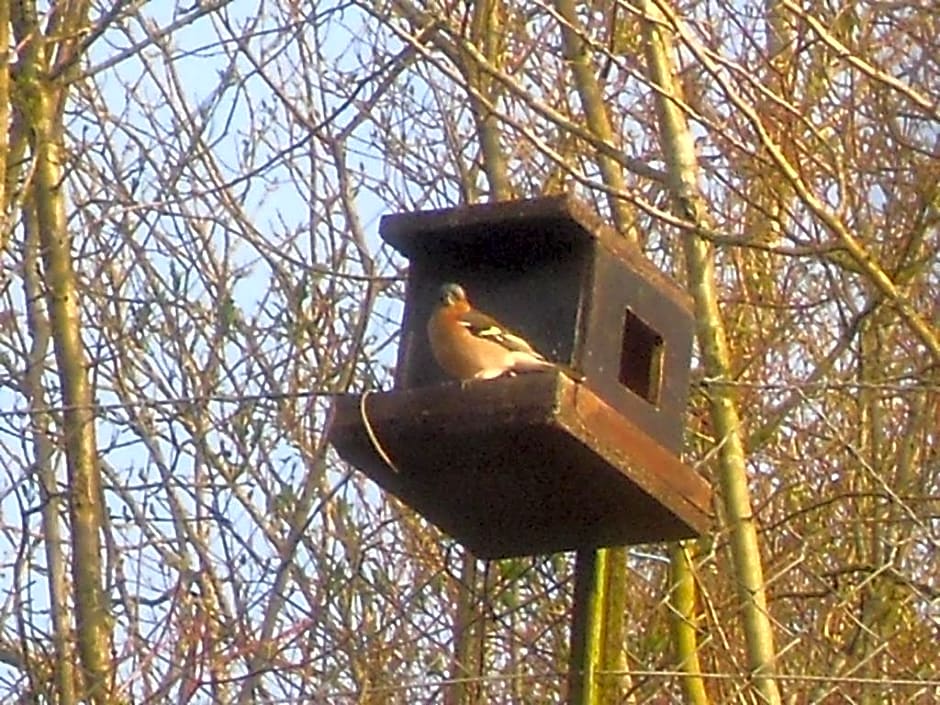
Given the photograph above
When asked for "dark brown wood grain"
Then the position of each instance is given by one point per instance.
(522, 466)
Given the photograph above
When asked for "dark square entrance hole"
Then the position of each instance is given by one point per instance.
(641, 358)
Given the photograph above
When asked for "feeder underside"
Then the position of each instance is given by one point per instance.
(523, 466)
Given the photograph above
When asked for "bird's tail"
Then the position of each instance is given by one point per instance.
(531, 363)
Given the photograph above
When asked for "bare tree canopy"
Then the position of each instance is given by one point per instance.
(190, 270)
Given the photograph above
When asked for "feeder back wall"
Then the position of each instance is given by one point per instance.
(549, 270)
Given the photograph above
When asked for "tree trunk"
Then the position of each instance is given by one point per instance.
(679, 153)
(44, 449)
(684, 619)
(40, 101)
(78, 421)
(595, 113)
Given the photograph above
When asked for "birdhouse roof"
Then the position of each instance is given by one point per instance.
(545, 226)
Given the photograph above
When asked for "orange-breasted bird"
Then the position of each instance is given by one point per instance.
(469, 345)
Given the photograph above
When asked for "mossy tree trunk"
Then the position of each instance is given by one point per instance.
(679, 153)
(39, 88)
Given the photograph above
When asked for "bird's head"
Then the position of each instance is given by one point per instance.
(452, 294)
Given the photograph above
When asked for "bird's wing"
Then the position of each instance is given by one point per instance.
(483, 326)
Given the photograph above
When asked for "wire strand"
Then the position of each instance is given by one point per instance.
(174, 401)
(427, 684)
(280, 396)
(371, 432)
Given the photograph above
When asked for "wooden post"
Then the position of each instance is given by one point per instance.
(587, 626)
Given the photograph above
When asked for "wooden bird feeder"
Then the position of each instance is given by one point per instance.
(537, 463)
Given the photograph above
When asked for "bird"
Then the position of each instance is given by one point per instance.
(470, 345)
